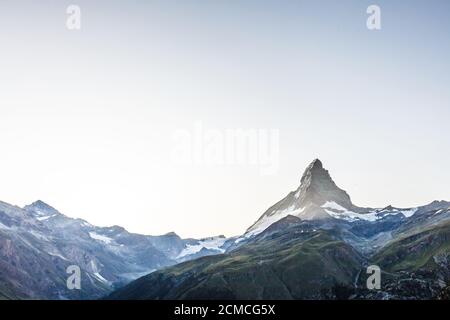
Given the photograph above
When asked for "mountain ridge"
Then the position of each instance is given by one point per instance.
(316, 244)
(312, 244)
(319, 198)
(109, 257)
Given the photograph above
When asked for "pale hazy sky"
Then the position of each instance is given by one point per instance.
(87, 117)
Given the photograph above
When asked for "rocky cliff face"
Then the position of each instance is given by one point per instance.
(317, 187)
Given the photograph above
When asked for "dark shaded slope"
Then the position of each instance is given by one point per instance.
(294, 264)
(415, 266)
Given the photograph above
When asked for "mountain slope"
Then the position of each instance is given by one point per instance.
(428, 248)
(416, 265)
(316, 244)
(38, 243)
(319, 198)
(308, 266)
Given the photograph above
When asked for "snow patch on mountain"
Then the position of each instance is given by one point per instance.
(100, 277)
(40, 213)
(57, 255)
(2, 226)
(214, 243)
(100, 237)
(409, 212)
(39, 235)
(267, 221)
(43, 218)
(337, 211)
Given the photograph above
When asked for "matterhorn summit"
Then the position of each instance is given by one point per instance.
(318, 198)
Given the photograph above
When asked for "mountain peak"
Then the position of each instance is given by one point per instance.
(39, 204)
(316, 164)
(317, 187)
(39, 207)
(315, 167)
(170, 234)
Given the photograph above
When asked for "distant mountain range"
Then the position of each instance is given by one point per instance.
(313, 244)
(316, 244)
(38, 243)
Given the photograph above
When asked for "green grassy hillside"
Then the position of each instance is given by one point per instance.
(310, 265)
(427, 249)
